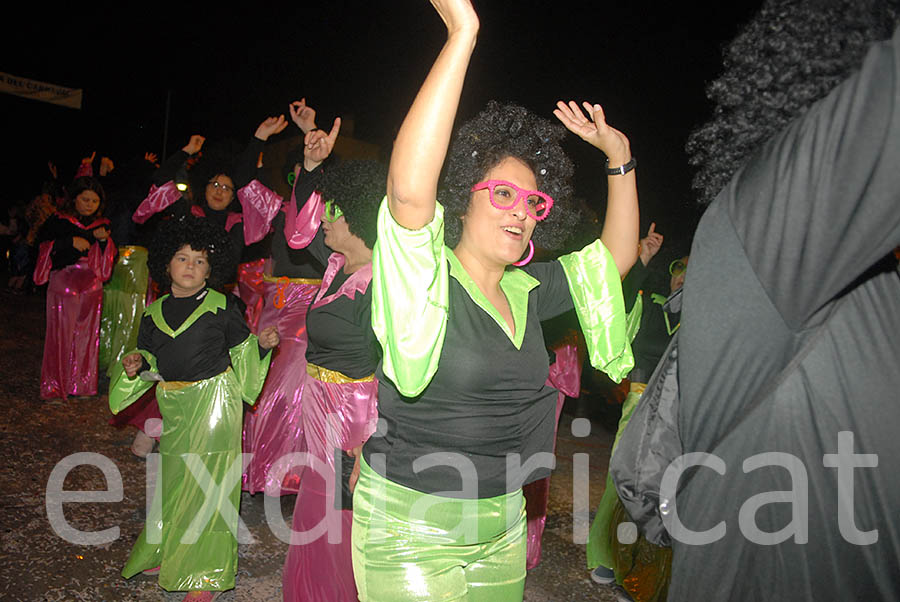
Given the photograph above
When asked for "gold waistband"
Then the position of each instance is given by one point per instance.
(174, 385)
(637, 388)
(285, 279)
(333, 376)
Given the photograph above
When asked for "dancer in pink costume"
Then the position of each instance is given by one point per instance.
(274, 427)
(339, 396)
(76, 255)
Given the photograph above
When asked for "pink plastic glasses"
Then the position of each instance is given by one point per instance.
(506, 195)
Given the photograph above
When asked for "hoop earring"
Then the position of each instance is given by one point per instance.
(522, 262)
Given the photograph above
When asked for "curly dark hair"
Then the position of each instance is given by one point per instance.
(200, 235)
(357, 186)
(78, 186)
(497, 132)
(788, 56)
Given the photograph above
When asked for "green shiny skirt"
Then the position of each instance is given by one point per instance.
(410, 546)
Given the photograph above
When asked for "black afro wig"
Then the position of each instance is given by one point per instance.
(357, 186)
(501, 131)
(200, 235)
(788, 56)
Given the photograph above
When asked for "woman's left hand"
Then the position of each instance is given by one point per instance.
(269, 338)
(101, 233)
(594, 130)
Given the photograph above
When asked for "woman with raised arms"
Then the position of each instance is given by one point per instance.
(438, 515)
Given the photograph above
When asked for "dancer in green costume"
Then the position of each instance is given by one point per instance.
(123, 304)
(438, 514)
(196, 342)
(640, 567)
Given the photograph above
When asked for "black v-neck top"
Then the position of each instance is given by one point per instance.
(487, 400)
(201, 351)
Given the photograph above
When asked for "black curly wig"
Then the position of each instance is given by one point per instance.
(497, 132)
(201, 235)
(357, 186)
(789, 55)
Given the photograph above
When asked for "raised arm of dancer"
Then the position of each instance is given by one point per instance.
(317, 145)
(621, 226)
(424, 136)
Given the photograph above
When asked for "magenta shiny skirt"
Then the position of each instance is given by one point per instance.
(274, 427)
(251, 291)
(565, 375)
(71, 344)
(319, 563)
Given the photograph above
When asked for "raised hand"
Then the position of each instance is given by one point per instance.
(650, 244)
(80, 243)
(132, 363)
(271, 126)
(302, 115)
(194, 145)
(317, 145)
(269, 338)
(53, 172)
(101, 233)
(106, 165)
(594, 130)
(458, 15)
(152, 158)
(89, 160)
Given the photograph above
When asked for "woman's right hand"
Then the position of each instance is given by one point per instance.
(194, 145)
(458, 15)
(424, 136)
(317, 145)
(81, 244)
(132, 363)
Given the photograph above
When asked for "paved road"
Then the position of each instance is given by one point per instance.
(37, 564)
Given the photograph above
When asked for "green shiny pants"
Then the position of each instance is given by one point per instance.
(599, 551)
(123, 306)
(410, 546)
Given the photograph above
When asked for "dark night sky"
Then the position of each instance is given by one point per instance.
(227, 69)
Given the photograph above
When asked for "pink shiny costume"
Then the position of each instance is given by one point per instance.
(274, 427)
(336, 415)
(251, 290)
(565, 375)
(74, 298)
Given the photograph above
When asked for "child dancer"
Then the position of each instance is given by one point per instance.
(76, 255)
(196, 342)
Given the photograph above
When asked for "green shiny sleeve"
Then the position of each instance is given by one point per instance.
(124, 391)
(410, 299)
(596, 291)
(633, 318)
(249, 367)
